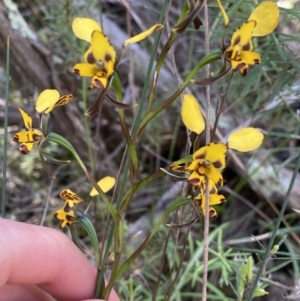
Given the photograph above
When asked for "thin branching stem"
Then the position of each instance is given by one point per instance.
(207, 134)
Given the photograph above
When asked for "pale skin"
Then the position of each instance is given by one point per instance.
(43, 264)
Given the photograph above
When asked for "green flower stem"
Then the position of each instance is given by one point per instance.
(66, 144)
(272, 239)
(178, 203)
(145, 90)
(86, 126)
(206, 60)
(117, 255)
(116, 84)
(162, 57)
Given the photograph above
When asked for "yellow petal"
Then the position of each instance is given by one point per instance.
(103, 52)
(216, 199)
(65, 215)
(46, 101)
(250, 57)
(214, 153)
(242, 36)
(225, 17)
(84, 27)
(266, 16)
(143, 34)
(28, 136)
(245, 139)
(196, 179)
(26, 119)
(191, 114)
(99, 82)
(85, 70)
(70, 196)
(105, 184)
(214, 175)
(238, 65)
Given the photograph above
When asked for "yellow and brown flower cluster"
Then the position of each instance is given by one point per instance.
(67, 214)
(46, 102)
(209, 160)
(263, 20)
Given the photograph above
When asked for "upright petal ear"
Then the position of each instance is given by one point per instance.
(105, 184)
(242, 36)
(46, 101)
(26, 119)
(84, 27)
(245, 139)
(266, 16)
(143, 34)
(191, 114)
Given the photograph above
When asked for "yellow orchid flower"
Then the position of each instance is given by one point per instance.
(100, 58)
(239, 52)
(214, 199)
(263, 20)
(207, 161)
(29, 137)
(49, 99)
(105, 184)
(66, 214)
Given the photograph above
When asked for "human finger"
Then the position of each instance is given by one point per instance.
(38, 255)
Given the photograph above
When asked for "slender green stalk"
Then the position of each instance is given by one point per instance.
(138, 116)
(3, 202)
(272, 239)
(207, 134)
(86, 126)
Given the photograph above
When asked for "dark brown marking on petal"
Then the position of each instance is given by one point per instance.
(236, 41)
(220, 182)
(257, 61)
(213, 190)
(16, 138)
(70, 218)
(23, 149)
(76, 71)
(37, 138)
(246, 47)
(67, 208)
(223, 200)
(90, 58)
(240, 66)
(55, 214)
(98, 84)
(198, 157)
(217, 164)
(244, 71)
(228, 55)
(212, 213)
(107, 57)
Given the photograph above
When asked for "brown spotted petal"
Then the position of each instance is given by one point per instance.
(70, 196)
(65, 215)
